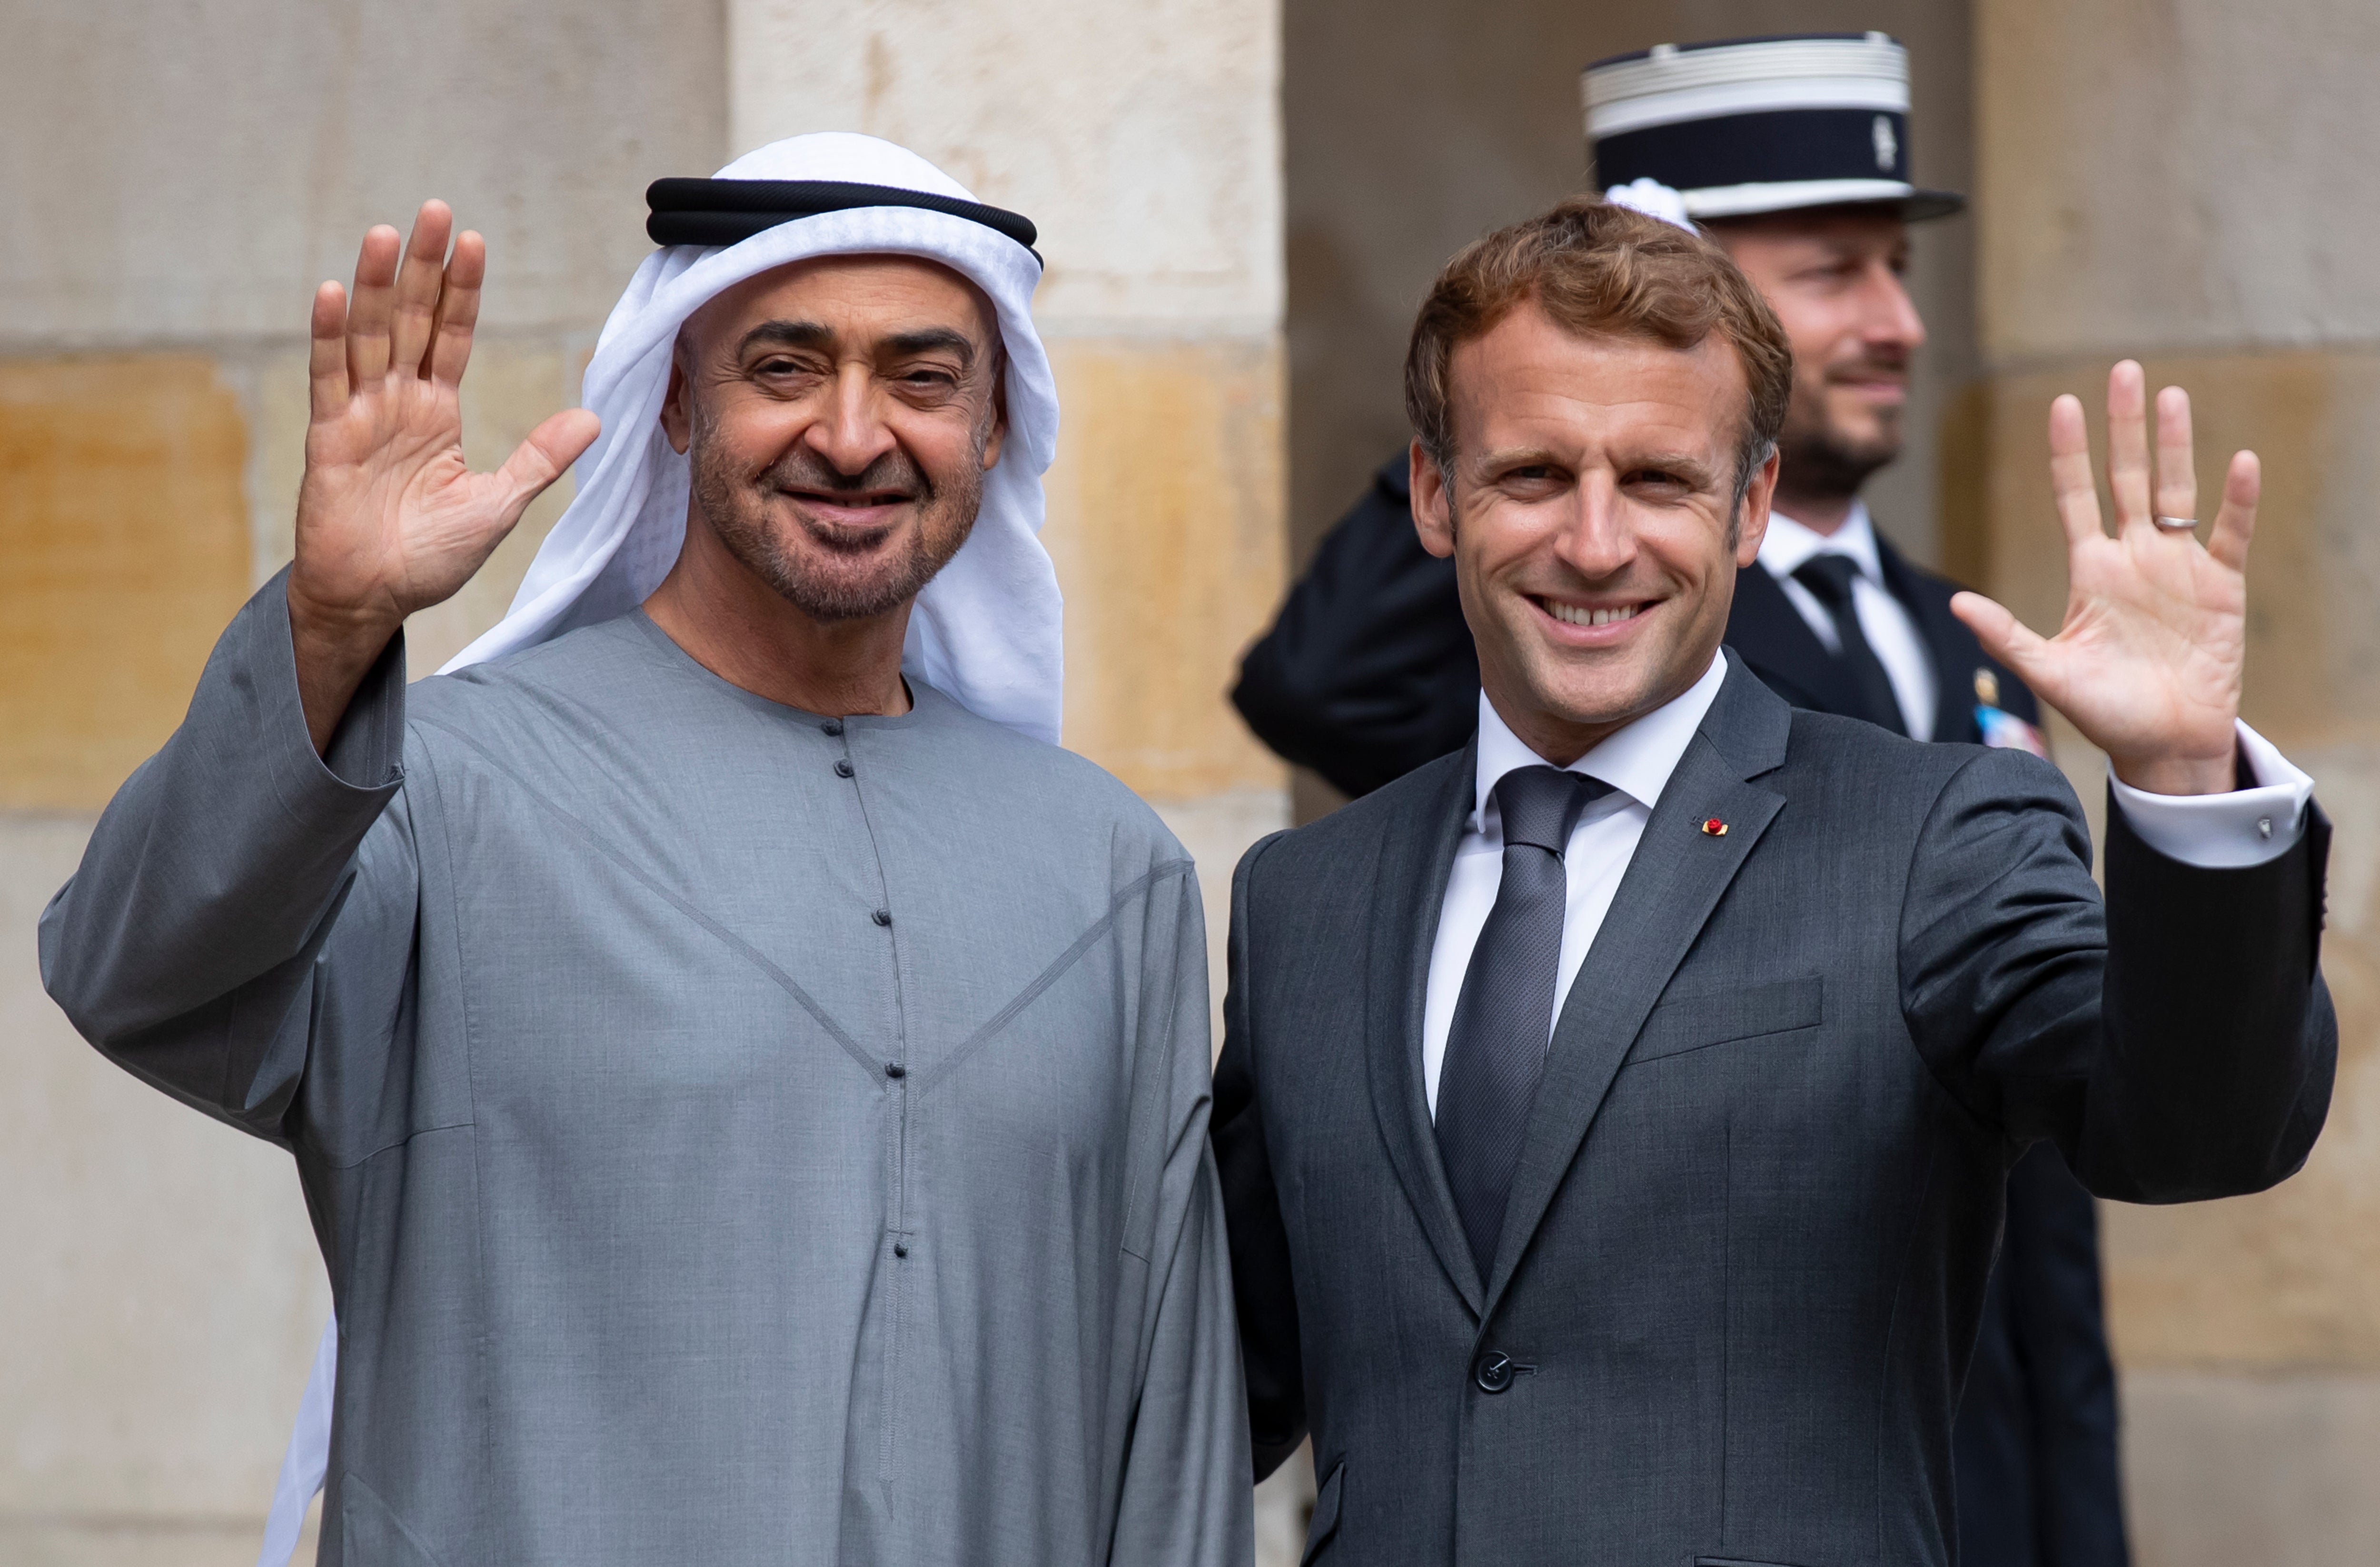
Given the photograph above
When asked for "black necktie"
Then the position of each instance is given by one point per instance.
(1496, 1047)
(1828, 578)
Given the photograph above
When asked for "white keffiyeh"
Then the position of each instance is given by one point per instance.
(985, 631)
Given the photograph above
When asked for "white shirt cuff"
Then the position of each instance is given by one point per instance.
(2224, 831)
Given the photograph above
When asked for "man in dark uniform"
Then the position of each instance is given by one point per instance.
(1369, 670)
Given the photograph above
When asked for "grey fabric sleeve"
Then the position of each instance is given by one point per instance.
(186, 946)
(1185, 1498)
(2177, 1044)
(1271, 1360)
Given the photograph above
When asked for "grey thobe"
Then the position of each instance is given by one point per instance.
(735, 1136)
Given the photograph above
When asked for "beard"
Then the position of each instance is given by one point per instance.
(1818, 456)
(830, 573)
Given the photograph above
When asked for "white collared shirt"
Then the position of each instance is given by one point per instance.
(2247, 827)
(1884, 620)
(1636, 761)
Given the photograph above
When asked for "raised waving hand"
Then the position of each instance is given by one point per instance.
(390, 519)
(2148, 662)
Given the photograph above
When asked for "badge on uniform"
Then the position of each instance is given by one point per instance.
(2000, 727)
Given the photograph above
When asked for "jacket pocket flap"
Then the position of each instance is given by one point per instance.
(1326, 1514)
(1717, 1017)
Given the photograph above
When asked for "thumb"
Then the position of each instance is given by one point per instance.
(2004, 637)
(548, 453)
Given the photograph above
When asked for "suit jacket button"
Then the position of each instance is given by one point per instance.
(1493, 1371)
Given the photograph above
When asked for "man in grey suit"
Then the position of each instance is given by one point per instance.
(1614, 1116)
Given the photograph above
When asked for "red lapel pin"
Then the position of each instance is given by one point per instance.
(1714, 827)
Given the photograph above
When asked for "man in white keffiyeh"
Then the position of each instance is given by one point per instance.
(750, 1083)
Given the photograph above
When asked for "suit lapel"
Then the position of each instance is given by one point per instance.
(1778, 644)
(1671, 885)
(1410, 884)
(1953, 648)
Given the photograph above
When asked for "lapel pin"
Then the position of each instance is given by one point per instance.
(1714, 827)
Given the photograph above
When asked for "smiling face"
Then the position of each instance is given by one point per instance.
(840, 416)
(1591, 511)
(1833, 278)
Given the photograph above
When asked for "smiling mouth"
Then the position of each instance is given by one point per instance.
(852, 500)
(1579, 614)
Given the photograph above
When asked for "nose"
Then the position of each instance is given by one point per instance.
(850, 431)
(1890, 316)
(1595, 539)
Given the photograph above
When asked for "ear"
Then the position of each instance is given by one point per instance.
(998, 436)
(1433, 504)
(677, 410)
(1752, 521)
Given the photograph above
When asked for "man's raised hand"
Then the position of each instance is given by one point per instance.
(390, 520)
(2148, 662)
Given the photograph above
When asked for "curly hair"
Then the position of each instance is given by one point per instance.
(1601, 270)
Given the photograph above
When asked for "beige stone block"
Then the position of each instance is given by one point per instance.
(1166, 527)
(123, 527)
(2189, 173)
(2291, 1276)
(513, 386)
(176, 173)
(2226, 1470)
(1143, 139)
(159, 1288)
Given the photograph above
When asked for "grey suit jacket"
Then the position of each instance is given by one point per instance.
(1747, 1242)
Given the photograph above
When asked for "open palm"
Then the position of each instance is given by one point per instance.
(2148, 662)
(390, 520)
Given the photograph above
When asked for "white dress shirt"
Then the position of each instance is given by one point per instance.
(2248, 827)
(1884, 620)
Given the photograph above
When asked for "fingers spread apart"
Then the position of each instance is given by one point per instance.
(459, 309)
(2235, 524)
(2070, 472)
(2176, 472)
(548, 453)
(415, 313)
(2128, 445)
(369, 307)
(2003, 635)
(326, 352)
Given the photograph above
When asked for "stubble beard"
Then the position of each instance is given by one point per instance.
(858, 579)
(1817, 457)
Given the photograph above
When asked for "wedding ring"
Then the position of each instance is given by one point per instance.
(2178, 524)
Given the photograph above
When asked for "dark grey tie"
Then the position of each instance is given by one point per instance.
(1828, 578)
(1496, 1047)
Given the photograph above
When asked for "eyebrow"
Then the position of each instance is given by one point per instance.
(934, 339)
(818, 335)
(788, 335)
(1697, 469)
